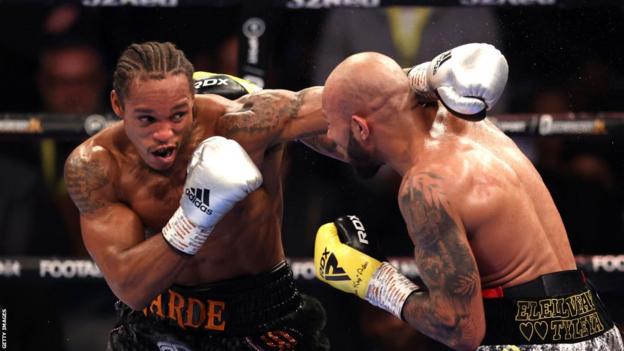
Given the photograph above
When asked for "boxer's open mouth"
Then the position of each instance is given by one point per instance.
(164, 152)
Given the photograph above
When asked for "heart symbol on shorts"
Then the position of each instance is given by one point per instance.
(527, 330)
(541, 328)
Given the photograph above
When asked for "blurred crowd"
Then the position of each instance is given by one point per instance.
(59, 60)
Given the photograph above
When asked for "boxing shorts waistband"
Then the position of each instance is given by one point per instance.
(239, 306)
(551, 284)
(558, 307)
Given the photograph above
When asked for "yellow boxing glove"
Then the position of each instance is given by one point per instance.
(340, 265)
(344, 257)
(222, 84)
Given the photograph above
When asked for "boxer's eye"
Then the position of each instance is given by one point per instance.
(146, 119)
(178, 116)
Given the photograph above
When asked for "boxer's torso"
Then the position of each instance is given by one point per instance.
(246, 241)
(512, 224)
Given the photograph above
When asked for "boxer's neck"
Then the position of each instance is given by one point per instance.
(401, 145)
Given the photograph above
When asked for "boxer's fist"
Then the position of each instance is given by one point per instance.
(344, 257)
(222, 84)
(219, 175)
(468, 79)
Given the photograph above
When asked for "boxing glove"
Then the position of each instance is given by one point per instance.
(222, 84)
(346, 257)
(468, 79)
(219, 175)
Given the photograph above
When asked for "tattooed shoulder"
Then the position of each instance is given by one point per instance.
(425, 186)
(421, 199)
(86, 172)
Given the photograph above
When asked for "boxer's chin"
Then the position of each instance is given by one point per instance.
(366, 171)
(365, 165)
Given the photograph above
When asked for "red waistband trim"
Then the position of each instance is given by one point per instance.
(493, 293)
(497, 292)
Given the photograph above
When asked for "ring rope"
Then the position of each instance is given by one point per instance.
(570, 123)
(599, 268)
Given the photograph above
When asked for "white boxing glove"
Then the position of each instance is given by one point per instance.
(219, 175)
(468, 79)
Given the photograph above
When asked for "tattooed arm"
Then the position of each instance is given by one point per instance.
(451, 311)
(275, 116)
(135, 269)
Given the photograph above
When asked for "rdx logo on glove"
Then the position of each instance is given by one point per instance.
(361, 232)
(199, 198)
(210, 82)
(329, 268)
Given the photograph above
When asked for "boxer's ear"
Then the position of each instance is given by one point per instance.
(359, 127)
(116, 103)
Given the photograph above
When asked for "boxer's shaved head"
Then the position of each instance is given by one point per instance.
(362, 84)
(150, 60)
(364, 87)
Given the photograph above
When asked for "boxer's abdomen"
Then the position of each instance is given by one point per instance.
(246, 241)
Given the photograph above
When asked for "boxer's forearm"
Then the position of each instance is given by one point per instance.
(325, 146)
(144, 271)
(452, 309)
(271, 117)
(134, 268)
(442, 320)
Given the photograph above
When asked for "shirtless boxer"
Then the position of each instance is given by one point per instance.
(492, 251)
(152, 188)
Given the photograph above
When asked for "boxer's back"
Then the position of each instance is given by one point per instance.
(514, 229)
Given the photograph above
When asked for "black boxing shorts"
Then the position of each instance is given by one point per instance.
(556, 311)
(260, 312)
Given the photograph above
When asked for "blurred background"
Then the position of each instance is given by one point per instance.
(57, 58)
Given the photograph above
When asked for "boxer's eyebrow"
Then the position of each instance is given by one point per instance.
(149, 110)
(143, 110)
(179, 106)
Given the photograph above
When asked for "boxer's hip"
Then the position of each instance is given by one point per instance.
(240, 306)
(554, 309)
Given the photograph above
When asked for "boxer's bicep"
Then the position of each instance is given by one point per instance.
(275, 116)
(445, 261)
(108, 227)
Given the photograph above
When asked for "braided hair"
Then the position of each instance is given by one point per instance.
(150, 60)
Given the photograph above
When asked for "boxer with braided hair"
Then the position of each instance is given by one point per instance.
(181, 206)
